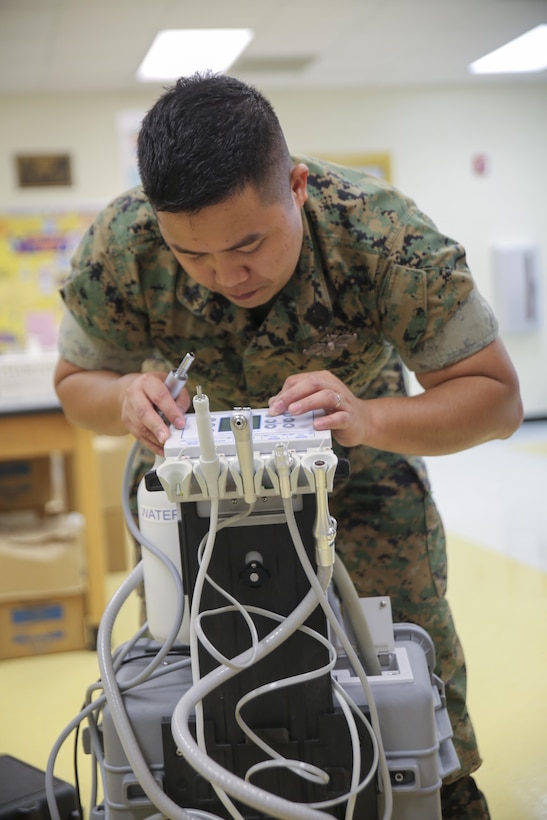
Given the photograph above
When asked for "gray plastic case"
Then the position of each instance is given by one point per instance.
(414, 724)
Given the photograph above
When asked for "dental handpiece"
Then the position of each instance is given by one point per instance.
(177, 378)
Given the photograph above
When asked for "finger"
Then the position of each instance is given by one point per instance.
(164, 403)
(336, 421)
(151, 444)
(183, 400)
(326, 399)
(337, 404)
(147, 424)
(297, 388)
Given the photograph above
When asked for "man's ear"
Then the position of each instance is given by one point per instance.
(299, 183)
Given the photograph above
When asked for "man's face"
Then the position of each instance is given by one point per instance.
(242, 248)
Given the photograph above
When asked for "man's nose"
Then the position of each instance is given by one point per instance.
(230, 273)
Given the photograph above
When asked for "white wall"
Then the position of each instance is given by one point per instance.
(431, 134)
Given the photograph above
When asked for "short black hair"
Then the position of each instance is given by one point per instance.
(206, 139)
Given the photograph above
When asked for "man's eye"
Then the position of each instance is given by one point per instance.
(251, 248)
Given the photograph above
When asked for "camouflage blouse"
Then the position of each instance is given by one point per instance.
(376, 284)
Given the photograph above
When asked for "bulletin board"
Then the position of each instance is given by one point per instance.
(35, 252)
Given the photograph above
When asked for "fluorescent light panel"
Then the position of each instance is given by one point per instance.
(178, 52)
(526, 53)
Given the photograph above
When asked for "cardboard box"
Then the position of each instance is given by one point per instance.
(112, 452)
(25, 484)
(117, 539)
(41, 556)
(53, 624)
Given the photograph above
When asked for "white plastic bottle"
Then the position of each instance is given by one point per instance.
(158, 522)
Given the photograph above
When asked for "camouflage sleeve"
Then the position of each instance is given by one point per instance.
(472, 327)
(120, 271)
(430, 309)
(91, 353)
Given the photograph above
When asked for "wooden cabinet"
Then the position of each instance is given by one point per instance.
(34, 433)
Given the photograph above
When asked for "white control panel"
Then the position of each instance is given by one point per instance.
(297, 432)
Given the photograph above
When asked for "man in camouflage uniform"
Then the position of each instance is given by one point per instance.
(301, 285)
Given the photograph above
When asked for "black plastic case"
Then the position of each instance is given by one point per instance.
(23, 793)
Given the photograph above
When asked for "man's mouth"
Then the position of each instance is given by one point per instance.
(241, 297)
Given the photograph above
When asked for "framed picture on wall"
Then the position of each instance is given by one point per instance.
(378, 165)
(43, 170)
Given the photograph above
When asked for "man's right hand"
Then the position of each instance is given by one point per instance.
(143, 401)
(114, 404)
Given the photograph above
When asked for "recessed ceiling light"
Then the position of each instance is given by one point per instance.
(526, 53)
(175, 53)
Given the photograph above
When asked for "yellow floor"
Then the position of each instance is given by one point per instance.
(500, 608)
(39, 696)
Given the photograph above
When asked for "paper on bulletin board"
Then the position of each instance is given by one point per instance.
(128, 125)
(35, 253)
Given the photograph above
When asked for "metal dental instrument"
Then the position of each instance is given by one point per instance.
(176, 379)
